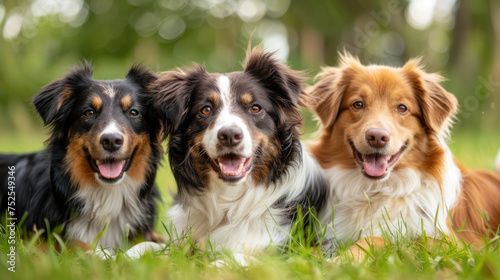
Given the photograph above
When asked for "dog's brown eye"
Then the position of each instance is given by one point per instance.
(402, 108)
(357, 105)
(206, 110)
(255, 109)
(89, 113)
(133, 113)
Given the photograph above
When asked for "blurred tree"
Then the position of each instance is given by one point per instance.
(41, 38)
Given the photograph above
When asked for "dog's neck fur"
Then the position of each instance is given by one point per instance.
(244, 216)
(119, 205)
(403, 204)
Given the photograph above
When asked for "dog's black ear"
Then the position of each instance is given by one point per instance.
(283, 82)
(171, 96)
(52, 98)
(140, 76)
(145, 80)
(274, 75)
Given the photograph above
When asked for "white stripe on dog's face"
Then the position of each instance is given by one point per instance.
(110, 91)
(224, 86)
(111, 128)
(226, 118)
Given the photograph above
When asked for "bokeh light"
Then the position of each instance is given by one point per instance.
(43, 37)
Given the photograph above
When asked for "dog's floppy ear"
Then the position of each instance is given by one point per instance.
(52, 98)
(140, 76)
(171, 95)
(438, 106)
(145, 79)
(325, 97)
(285, 83)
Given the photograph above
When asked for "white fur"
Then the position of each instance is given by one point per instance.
(142, 248)
(241, 259)
(225, 119)
(101, 253)
(402, 204)
(119, 205)
(241, 217)
(136, 252)
(111, 128)
(224, 85)
(108, 90)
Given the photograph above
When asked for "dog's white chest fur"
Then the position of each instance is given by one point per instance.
(404, 204)
(243, 217)
(236, 217)
(119, 205)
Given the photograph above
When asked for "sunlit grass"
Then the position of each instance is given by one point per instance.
(403, 258)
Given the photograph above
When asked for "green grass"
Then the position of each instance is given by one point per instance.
(401, 259)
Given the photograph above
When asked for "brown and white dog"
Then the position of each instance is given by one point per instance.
(382, 145)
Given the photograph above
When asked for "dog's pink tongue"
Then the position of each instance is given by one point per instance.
(375, 166)
(111, 169)
(231, 165)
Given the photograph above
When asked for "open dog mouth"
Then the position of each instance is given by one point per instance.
(232, 167)
(376, 166)
(110, 170)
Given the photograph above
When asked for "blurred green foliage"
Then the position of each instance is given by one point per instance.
(40, 39)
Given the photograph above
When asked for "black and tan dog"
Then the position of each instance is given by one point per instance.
(235, 153)
(100, 164)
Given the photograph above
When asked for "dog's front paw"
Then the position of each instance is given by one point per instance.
(219, 263)
(335, 260)
(245, 260)
(240, 259)
(100, 253)
(142, 248)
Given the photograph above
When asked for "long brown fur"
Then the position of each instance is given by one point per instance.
(432, 110)
(478, 207)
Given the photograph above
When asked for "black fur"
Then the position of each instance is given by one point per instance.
(179, 96)
(44, 187)
(312, 201)
(173, 101)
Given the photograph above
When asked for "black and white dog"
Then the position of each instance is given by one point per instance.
(240, 168)
(100, 163)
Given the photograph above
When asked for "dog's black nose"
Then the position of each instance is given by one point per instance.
(230, 136)
(111, 141)
(377, 137)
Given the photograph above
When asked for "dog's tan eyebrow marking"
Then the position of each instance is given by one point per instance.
(214, 98)
(126, 102)
(247, 98)
(96, 102)
(64, 96)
